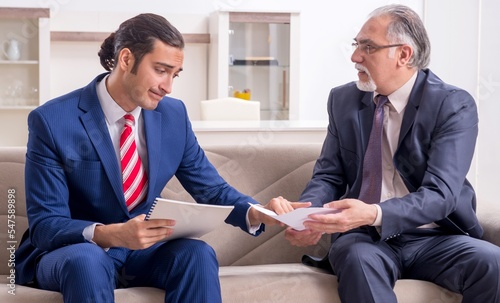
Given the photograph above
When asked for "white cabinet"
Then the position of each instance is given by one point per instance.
(255, 55)
(24, 57)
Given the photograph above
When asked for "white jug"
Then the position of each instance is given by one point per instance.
(11, 49)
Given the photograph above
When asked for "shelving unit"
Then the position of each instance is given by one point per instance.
(24, 83)
(256, 51)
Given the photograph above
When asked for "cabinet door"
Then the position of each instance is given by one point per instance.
(23, 56)
(251, 59)
(259, 61)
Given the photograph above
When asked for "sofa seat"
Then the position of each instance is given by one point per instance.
(284, 283)
(276, 283)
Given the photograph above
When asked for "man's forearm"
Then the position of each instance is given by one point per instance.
(106, 235)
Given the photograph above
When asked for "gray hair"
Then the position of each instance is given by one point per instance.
(406, 27)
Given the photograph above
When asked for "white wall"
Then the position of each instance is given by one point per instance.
(327, 30)
(488, 96)
(462, 32)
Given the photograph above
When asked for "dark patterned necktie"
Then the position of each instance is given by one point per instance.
(371, 185)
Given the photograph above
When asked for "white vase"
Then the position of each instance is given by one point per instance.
(11, 50)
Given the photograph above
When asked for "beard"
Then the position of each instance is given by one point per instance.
(366, 86)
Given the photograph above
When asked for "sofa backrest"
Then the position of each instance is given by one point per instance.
(261, 171)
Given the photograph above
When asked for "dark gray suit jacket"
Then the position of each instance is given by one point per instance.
(434, 153)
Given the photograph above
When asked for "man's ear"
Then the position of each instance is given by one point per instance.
(405, 55)
(125, 59)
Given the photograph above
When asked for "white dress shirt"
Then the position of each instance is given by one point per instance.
(392, 183)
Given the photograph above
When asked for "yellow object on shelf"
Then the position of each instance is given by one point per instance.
(245, 94)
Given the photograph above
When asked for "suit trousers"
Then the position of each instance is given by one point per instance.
(367, 270)
(186, 269)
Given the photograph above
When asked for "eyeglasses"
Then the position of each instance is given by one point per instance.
(370, 49)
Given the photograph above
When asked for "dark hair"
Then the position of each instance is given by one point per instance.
(407, 27)
(139, 35)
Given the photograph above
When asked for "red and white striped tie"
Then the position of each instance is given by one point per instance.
(135, 180)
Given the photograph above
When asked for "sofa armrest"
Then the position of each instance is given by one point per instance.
(488, 213)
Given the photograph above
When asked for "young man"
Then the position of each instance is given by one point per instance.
(399, 145)
(96, 160)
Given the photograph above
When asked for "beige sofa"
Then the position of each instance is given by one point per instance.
(252, 269)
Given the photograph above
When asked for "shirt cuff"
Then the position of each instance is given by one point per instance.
(252, 229)
(378, 219)
(88, 234)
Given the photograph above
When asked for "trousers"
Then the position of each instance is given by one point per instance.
(367, 270)
(186, 269)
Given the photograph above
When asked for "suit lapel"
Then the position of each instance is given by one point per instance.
(411, 107)
(94, 122)
(152, 129)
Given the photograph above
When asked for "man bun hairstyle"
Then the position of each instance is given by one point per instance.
(107, 52)
(138, 34)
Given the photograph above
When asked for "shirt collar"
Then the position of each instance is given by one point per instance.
(112, 111)
(400, 97)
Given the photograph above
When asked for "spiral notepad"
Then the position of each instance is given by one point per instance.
(148, 215)
(193, 220)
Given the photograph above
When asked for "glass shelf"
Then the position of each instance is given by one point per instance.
(259, 55)
(254, 55)
(19, 62)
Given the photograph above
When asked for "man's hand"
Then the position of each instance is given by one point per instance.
(304, 237)
(133, 234)
(279, 205)
(354, 213)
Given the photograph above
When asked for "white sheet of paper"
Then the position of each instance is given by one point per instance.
(295, 219)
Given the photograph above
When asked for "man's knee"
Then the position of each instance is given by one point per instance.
(196, 249)
(86, 257)
(355, 254)
(487, 263)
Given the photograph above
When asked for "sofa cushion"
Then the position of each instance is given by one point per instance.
(25, 294)
(276, 283)
(488, 213)
(284, 283)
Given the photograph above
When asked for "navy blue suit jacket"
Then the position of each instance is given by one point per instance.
(73, 177)
(434, 153)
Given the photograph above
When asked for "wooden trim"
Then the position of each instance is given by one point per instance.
(100, 36)
(196, 38)
(250, 17)
(78, 36)
(18, 12)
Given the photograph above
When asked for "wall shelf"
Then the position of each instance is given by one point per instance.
(20, 62)
(100, 36)
(21, 12)
(17, 108)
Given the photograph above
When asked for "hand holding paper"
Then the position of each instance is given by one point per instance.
(295, 218)
(193, 220)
